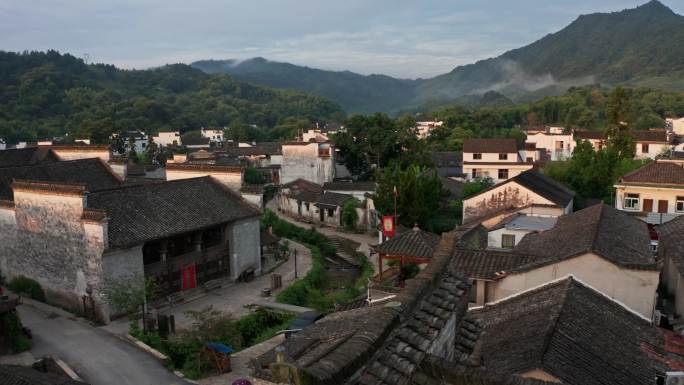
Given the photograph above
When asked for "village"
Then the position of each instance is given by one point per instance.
(272, 262)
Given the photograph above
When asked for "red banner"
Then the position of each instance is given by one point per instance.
(388, 226)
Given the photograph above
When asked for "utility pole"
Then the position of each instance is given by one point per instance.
(295, 263)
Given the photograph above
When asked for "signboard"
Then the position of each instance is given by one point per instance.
(388, 229)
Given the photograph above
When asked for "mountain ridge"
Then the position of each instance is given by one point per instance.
(633, 46)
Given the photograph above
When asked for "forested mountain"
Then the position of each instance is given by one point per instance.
(46, 94)
(354, 92)
(640, 46)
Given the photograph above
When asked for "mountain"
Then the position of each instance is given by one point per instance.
(46, 94)
(639, 46)
(354, 92)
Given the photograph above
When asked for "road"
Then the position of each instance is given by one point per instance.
(96, 355)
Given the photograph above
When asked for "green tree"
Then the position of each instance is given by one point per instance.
(254, 176)
(349, 216)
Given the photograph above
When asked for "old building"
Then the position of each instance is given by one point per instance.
(597, 139)
(498, 159)
(568, 332)
(556, 143)
(257, 155)
(75, 229)
(655, 192)
(214, 135)
(311, 161)
(424, 128)
(676, 125)
(509, 231)
(527, 188)
(414, 246)
(194, 143)
(27, 156)
(600, 245)
(168, 138)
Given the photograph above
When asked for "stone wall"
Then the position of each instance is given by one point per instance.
(302, 161)
(245, 246)
(122, 265)
(45, 238)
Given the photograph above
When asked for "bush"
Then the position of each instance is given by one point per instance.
(27, 286)
(11, 328)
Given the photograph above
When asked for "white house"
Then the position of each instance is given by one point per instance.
(311, 161)
(651, 143)
(676, 125)
(133, 141)
(528, 188)
(314, 135)
(498, 159)
(168, 138)
(423, 129)
(557, 144)
(215, 135)
(508, 233)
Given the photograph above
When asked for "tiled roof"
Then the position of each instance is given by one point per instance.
(26, 156)
(656, 173)
(485, 264)
(656, 135)
(331, 199)
(415, 243)
(671, 242)
(19, 375)
(142, 213)
(447, 158)
(541, 184)
(570, 331)
(490, 145)
(264, 148)
(600, 229)
(94, 174)
(590, 135)
(303, 190)
(195, 141)
(349, 186)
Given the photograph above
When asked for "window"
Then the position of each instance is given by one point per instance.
(474, 173)
(679, 205)
(644, 148)
(503, 156)
(331, 212)
(530, 159)
(477, 156)
(507, 241)
(503, 173)
(631, 201)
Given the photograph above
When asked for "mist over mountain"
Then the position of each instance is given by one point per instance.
(639, 46)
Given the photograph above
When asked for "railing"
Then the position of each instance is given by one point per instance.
(210, 263)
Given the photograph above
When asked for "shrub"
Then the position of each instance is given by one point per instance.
(11, 328)
(27, 286)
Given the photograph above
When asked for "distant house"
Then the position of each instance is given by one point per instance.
(214, 135)
(196, 143)
(554, 141)
(566, 332)
(651, 143)
(527, 188)
(656, 190)
(311, 161)
(133, 141)
(595, 138)
(297, 199)
(676, 125)
(448, 163)
(264, 154)
(168, 138)
(425, 128)
(314, 135)
(498, 159)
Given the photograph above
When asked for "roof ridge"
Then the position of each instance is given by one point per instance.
(552, 330)
(595, 233)
(153, 183)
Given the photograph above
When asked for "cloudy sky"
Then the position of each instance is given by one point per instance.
(402, 38)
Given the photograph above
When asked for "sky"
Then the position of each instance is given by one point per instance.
(401, 38)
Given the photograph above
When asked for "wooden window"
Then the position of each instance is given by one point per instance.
(503, 156)
(644, 148)
(507, 241)
(477, 156)
(503, 173)
(631, 202)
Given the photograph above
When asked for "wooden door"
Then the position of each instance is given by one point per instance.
(188, 277)
(662, 207)
(648, 205)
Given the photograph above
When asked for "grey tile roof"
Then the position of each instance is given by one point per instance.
(330, 199)
(601, 229)
(414, 243)
(94, 174)
(350, 186)
(496, 145)
(447, 158)
(141, 213)
(570, 331)
(19, 375)
(485, 264)
(544, 186)
(671, 242)
(26, 156)
(303, 190)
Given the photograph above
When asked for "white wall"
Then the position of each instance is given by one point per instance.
(494, 237)
(548, 143)
(654, 149)
(507, 195)
(490, 157)
(302, 161)
(493, 171)
(244, 239)
(634, 288)
(654, 193)
(230, 179)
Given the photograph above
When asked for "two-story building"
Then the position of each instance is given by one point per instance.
(554, 141)
(168, 138)
(311, 161)
(656, 190)
(215, 135)
(675, 125)
(498, 159)
(651, 143)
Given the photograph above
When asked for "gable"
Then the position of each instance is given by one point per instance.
(507, 194)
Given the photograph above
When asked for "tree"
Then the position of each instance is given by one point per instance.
(349, 216)
(254, 176)
(130, 294)
(419, 193)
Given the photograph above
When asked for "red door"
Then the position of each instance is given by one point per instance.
(188, 277)
(648, 205)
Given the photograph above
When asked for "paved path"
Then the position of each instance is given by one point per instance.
(97, 356)
(364, 239)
